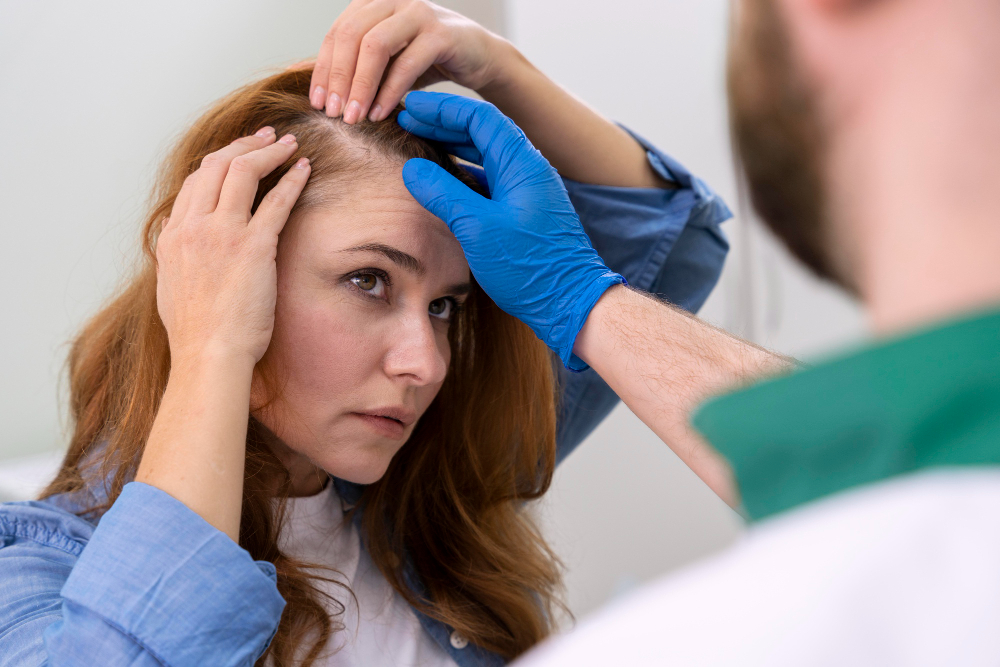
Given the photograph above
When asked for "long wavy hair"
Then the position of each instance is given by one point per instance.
(453, 502)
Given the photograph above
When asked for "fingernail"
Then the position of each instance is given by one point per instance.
(288, 139)
(352, 112)
(302, 163)
(317, 97)
(376, 113)
(333, 105)
(264, 131)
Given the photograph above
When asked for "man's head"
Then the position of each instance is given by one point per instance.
(778, 134)
(867, 131)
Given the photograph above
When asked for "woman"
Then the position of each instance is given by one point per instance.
(303, 343)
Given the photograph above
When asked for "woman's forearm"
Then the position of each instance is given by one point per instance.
(580, 143)
(197, 447)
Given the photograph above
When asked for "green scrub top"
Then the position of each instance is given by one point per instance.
(929, 399)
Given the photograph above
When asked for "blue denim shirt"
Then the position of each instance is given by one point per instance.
(152, 583)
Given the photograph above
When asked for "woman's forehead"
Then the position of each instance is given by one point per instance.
(374, 212)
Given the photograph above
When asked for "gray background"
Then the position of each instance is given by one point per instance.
(94, 93)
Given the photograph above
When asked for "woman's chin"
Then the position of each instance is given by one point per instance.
(359, 467)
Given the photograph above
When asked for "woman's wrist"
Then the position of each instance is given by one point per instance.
(197, 446)
(510, 71)
(212, 361)
(581, 144)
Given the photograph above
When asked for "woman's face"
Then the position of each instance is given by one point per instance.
(366, 290)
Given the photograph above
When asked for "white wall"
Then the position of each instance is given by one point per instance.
(93, 93)
(623, 508)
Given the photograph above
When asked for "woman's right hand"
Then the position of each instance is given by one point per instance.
(377, 50)
(216, 278)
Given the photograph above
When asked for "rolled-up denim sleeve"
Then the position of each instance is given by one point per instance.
(154, 584)
(665, 241)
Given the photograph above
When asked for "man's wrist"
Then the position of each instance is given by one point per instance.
(587, 341)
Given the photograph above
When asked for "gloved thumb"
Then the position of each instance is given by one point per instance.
(442, 194)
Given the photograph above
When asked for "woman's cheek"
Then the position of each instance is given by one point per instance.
(328, 350)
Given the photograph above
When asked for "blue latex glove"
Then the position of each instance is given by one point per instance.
(525, 245)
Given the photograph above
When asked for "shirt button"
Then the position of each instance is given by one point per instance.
(458, 641)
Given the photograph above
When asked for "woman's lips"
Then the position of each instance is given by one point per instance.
(384, 426)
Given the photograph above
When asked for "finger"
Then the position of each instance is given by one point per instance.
(436, 74)
(477, 173)
(380, 44)
(466, 152)
(445, 196)
(182, 202)
(457, 143)
(245, 172)
(499, 140)
(321, 71)
(455, 112)
(205, 187)
(403, 75)
(277, 204)
(349, 32)
(429, 131)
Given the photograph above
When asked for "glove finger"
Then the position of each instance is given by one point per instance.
(444, 196)
(467, 153)
(442, 109)
(457, 143)
(506, 153)
(469, 121)
(431, 131)
(477, 173)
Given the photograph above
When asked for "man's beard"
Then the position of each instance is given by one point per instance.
(779, 141)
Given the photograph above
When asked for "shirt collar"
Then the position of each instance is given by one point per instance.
(928, 399)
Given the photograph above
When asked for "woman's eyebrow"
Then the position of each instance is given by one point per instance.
(408, 262)
(395, 255)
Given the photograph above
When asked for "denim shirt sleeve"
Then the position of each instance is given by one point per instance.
(151, 584)
(667, 242)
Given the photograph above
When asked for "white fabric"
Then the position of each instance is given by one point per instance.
(381, 628)
(902, 573)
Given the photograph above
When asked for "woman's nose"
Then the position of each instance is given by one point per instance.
(416, 353)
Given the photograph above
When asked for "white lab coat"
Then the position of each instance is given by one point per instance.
(905, 572)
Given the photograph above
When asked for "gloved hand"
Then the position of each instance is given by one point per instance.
(525, 245)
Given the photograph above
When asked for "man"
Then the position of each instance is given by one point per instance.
(867, 130)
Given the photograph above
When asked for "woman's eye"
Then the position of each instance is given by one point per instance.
(442, 308)
(370, 283)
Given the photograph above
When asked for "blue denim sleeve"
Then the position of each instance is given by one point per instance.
(667, 242)
(151, 584)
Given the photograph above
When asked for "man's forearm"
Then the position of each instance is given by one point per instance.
(663, 362)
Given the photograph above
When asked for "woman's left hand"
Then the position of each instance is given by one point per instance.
(377, 50)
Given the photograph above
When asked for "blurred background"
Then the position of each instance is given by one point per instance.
(95, 93)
